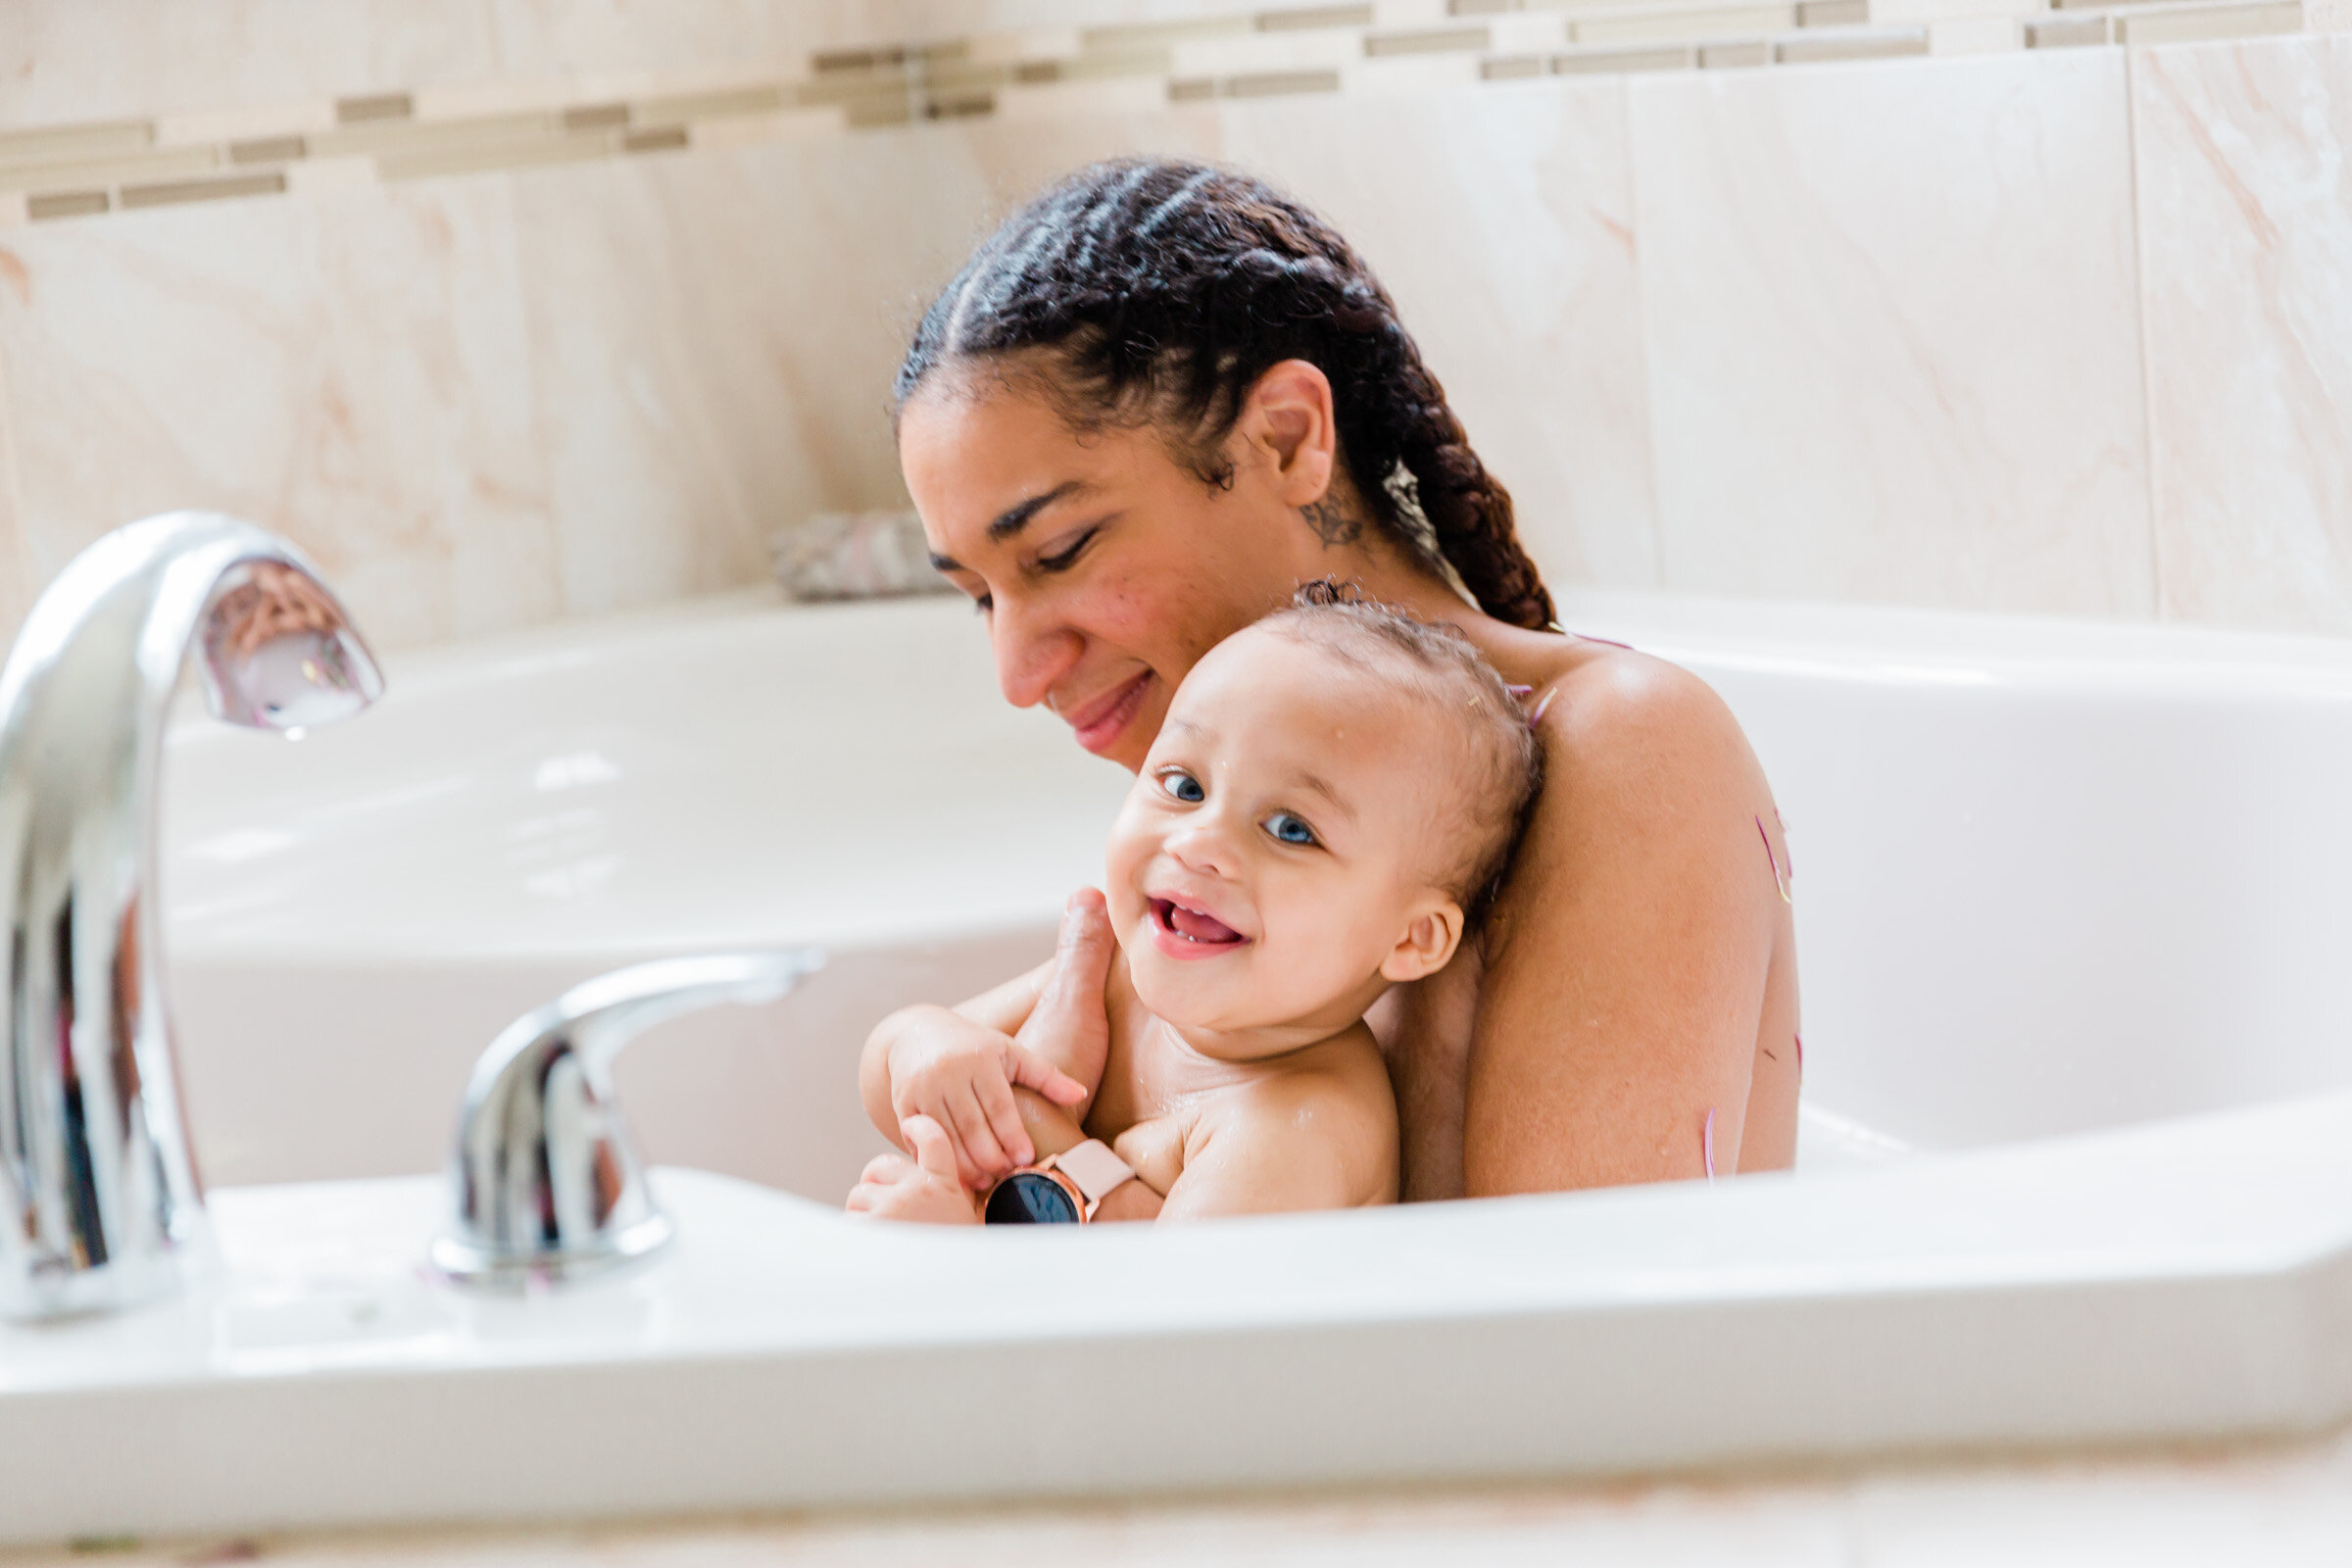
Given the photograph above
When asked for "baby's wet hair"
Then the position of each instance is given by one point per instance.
(1501, 758)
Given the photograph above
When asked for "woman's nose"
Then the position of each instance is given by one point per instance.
(1033, 652)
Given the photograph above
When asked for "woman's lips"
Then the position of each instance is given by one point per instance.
(1186, 933)
(1100, 722)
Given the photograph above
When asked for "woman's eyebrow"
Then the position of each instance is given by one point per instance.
(1012, 519)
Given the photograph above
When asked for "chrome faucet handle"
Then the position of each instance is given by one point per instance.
(100, 1205)
(546, 1182)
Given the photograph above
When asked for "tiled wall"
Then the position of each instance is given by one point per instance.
(512, 308)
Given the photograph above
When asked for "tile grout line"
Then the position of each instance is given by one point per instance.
(918, 81)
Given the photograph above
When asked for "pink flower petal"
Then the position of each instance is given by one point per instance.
(1774, 861)
(1707, 1143)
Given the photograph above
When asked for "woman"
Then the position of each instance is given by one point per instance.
(1157, 400)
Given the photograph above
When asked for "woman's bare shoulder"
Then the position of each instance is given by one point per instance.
(1629, 737)
(1632, 943)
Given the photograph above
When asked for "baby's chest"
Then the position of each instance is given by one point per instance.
(1151, 1106)
(1156, 1148)
(1152, 1124)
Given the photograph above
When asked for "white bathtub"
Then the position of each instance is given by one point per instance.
(2078, 1158)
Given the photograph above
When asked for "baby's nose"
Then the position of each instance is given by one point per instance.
(1203, 846)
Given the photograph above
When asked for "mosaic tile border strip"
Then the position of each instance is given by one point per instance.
(89, 169)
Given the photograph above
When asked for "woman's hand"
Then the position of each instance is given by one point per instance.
(1070, 1023)
(923, 1191)
(957, 1077)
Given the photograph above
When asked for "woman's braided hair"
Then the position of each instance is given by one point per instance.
(1163, 290)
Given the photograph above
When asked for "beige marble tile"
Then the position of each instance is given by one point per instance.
(80, 60)
(587, 37)
(946, 17)
(1499, 219)
(716, 334)
(349, 369)
(1893, 340)
(2246, 203)
(1009, 162)
(2281, 1507)
(1644, 1526)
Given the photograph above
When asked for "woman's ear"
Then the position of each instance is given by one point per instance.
(1428, 943)
(1286, 428)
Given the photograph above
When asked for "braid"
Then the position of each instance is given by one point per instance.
(1164, 290)
(1469, 512)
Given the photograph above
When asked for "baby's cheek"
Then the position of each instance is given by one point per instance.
(1123, 860)
(1312, 944)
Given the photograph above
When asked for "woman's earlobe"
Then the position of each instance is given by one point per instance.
(1291, 408)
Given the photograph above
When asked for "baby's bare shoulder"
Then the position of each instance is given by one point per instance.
(1327, 1118)
(1344, 1074)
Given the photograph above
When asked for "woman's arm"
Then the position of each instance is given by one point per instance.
(1629, 962)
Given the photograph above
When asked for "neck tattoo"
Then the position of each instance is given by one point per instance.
(1332, 523)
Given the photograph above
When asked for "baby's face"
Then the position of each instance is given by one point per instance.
(1271, 867)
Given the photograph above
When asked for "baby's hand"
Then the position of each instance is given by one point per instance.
(923, 1191)
(958, 1076)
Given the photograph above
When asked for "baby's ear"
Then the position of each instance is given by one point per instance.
(1429, 940)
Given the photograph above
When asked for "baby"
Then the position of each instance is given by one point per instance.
(1331, 798)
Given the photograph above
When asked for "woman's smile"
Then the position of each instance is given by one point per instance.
(1100, 722)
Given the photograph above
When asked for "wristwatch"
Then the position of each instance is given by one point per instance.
(1063, 1189)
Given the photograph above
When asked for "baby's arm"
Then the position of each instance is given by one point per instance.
(1044, 1032)
(1303, 1141)
(924, 1190)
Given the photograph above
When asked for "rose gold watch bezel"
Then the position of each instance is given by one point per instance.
(1053, 1174)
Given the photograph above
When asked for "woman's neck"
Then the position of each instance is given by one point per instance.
(1390, 574)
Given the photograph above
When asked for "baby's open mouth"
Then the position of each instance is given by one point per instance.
(1192, 925)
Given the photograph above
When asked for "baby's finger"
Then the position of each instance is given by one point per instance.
(931, 1148)
(886, 1167)
(1004, 1118)
(979, 1140)
(1033, 1072)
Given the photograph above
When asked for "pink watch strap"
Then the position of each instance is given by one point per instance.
(1095, 1169)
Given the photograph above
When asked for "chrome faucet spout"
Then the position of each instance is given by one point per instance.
(100, 1202)
(546, 1182)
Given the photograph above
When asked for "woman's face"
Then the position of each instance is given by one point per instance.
(1104, 568)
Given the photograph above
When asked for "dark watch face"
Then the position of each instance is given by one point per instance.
(1026, 1198)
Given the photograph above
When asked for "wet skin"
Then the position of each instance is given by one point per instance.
(1281, 860)
(1640, 972)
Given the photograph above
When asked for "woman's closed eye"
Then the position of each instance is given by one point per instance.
(1182, 786)
(1062, 559)
(1288, 827)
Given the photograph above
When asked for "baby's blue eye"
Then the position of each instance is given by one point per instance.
(1183, 786)
(1290, 829)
